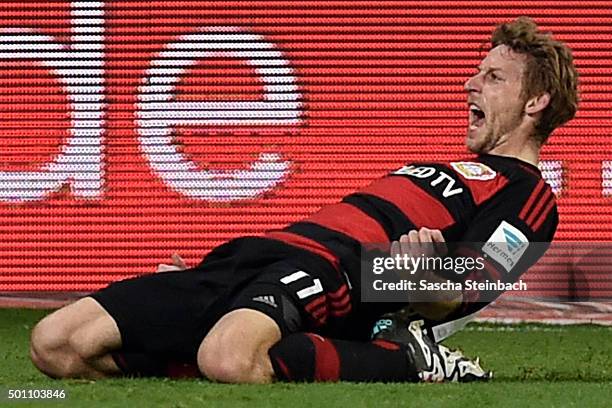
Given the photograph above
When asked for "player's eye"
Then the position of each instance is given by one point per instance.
(495, 77)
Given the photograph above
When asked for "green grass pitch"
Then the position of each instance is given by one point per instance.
(534, 365)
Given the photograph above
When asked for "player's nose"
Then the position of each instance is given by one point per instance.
(472, 84)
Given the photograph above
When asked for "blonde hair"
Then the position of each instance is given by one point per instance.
(550, 68)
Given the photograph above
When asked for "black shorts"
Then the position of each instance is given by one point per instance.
(170, 313)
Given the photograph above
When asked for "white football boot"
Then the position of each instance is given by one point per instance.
(433, 362)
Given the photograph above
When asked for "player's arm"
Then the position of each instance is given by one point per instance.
(509, 234)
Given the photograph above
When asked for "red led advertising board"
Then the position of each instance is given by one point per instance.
(131, 130)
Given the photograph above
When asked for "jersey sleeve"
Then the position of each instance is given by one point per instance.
(530, 210)
(509, 233)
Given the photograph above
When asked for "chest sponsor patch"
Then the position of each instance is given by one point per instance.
(474, 170)
(506, 245)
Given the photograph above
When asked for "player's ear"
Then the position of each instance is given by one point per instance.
(537, 103)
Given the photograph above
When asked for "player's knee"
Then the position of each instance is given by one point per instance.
(218, 362)
(48, 348)
(236, 348)
(80, 344)
(226, 368)
(39, 353)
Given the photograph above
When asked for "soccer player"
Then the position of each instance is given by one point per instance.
(286, 305)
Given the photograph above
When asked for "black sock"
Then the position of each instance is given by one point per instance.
(147, 365)
(310, 357)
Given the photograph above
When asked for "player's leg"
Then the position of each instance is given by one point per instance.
(245, 346)
(75, 341)
(398, 354)
(133, 327)
(236, 348)
(260, 340)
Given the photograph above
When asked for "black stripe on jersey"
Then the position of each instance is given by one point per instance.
(340, 244)
(457, 205)
(390, 218)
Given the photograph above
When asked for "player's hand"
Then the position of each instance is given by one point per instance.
(424, 242)
(177, 265)
(427, 242)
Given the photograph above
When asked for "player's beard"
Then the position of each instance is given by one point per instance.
(495, 127)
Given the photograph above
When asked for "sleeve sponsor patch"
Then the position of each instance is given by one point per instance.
(474, 170)
(506, 245)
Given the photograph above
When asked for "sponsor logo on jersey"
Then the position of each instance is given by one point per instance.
(441, 180)
(474, 170)
(506, 245)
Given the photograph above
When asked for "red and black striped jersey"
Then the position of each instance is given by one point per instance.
(468, 200)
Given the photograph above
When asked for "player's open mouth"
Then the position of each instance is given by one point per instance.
(477, 116)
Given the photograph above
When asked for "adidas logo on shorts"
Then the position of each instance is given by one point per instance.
(267, 299)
